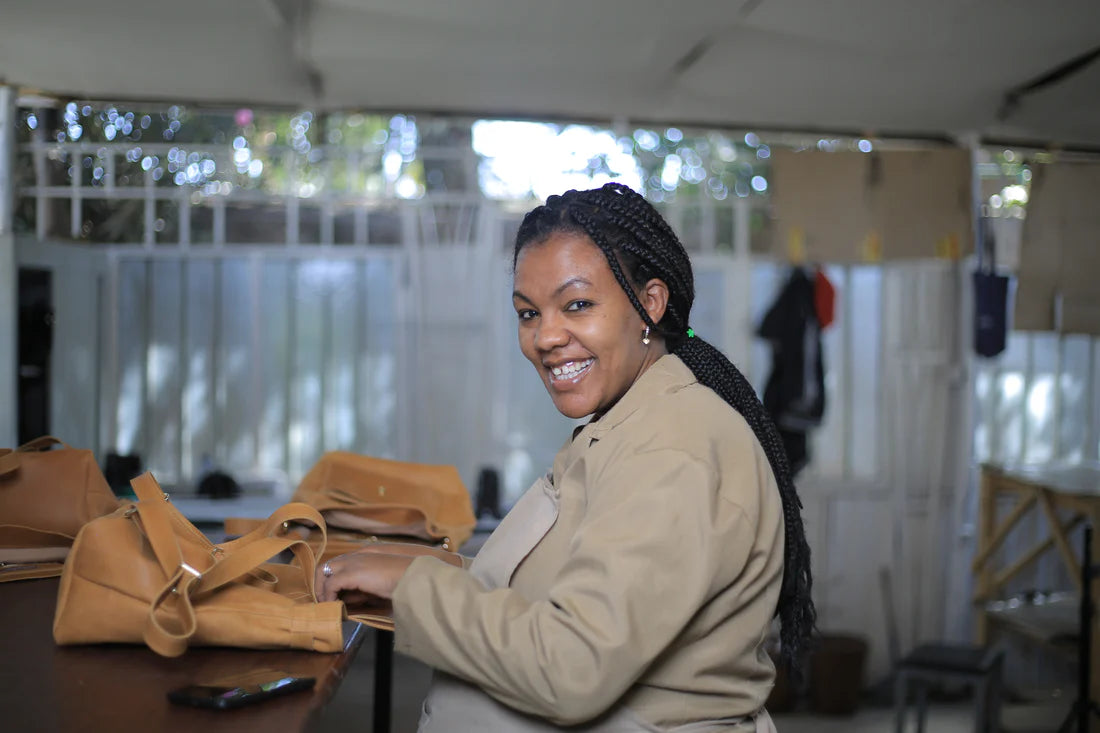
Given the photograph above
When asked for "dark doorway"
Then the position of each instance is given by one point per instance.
(35, 343)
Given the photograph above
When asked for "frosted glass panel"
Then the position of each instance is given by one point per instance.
(255, 366)
(344, 319)
(1038, 401)
(132, 317)
(860, 302)
(200, 427)
(273, 365)
(1008, 405)
(1039, 412)
(237, 383)
(378, 381)
(311, 333)
(706, 313)
(1075, 399)
(164, 369)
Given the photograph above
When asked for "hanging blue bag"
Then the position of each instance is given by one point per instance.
(990, 299)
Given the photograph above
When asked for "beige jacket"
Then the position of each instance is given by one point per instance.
(632, 589)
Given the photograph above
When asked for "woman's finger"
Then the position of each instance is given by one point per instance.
(356, 598)
(372, 573)
(323, 576)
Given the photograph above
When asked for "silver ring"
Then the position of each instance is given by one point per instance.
(326, 570)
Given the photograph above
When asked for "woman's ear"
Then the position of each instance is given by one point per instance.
(654, 297)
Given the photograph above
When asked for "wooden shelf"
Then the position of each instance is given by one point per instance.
(1051, 621)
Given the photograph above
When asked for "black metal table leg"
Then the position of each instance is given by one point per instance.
(383, 680)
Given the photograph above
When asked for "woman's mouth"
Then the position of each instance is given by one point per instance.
(570, 372)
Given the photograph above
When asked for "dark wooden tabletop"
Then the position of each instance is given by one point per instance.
(44, 687)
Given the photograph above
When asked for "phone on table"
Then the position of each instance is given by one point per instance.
(224, 696)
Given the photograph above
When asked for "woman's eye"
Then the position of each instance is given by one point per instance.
(579, 305)
(526, 314)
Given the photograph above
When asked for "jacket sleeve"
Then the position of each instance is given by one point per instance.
(644, 559)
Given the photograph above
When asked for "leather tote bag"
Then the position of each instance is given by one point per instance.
(46, 496)
(145, 574)
(332, 542)
(376, 496)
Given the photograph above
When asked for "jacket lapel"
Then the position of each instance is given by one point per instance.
(519, 532)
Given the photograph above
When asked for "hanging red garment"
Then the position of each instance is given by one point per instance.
(824, 299)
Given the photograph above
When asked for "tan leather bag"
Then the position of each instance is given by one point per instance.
(46, 496)
(336, 541)
(376, 496)
(146, 574)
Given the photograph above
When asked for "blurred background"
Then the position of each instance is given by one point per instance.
(236, 236)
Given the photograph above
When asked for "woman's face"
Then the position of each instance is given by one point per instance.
(577, 326)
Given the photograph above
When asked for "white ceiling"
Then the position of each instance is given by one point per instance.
(886, 67)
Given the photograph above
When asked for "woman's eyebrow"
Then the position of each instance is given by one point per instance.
(570, 283)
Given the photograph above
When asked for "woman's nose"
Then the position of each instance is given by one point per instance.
(551, 333)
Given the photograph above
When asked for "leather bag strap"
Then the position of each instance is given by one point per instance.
(256, 548)
(232, 560)
(46, 441)
(156, 520)
(10, 459)
(146, 488)
(246, 552)
(186, 583)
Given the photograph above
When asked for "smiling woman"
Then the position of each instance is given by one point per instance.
(573, 317)
(632, 587)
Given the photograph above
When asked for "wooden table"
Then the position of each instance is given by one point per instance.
(44, 687)
(1066, 497)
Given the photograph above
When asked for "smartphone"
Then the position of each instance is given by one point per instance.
(224, 697)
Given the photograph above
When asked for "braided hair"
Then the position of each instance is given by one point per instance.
(639, 245)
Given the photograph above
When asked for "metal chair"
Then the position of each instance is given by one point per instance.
(930, 664)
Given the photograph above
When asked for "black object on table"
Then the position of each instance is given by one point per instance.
(383, 680)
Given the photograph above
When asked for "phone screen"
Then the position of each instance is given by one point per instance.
(232, 696)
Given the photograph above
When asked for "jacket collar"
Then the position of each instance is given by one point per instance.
(667, 374)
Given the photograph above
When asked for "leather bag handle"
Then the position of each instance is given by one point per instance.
(235, 561)
(261, 544)
(238, 558)
(10, 459)
(40, 443)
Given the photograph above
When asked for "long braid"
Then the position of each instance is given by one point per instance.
(639, 245)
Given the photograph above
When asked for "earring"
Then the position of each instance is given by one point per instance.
(645, 336)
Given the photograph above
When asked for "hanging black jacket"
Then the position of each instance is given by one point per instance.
(794, 396)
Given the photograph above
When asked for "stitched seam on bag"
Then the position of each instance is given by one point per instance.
(208, 609)
(36, 530)
(116, 590)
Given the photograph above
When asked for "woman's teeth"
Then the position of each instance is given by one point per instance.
(570, 370)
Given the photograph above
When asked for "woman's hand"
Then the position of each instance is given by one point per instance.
(355, 574)
(372, 572)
